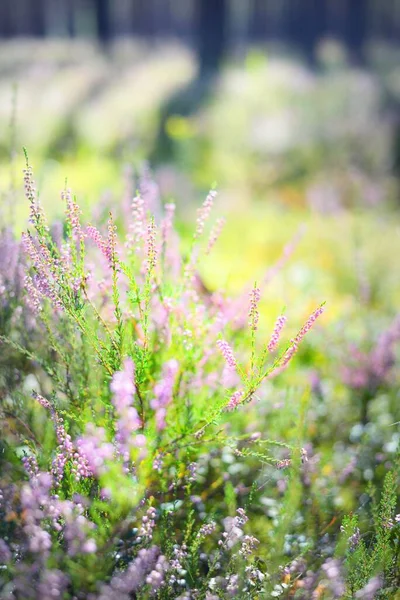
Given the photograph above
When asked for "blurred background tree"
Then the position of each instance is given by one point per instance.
(156, 80)
(211, 25)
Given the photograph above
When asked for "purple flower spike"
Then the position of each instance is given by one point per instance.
(227, 353)
(279, 325)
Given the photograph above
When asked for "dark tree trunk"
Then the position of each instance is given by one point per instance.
(306, 25)
(312, 24)
(293, 24)
(257, 26)
(6, 28)
(140, 22)
(37, 18)
(212, 17)
(103, 24)
(70, 10)
(356, 29)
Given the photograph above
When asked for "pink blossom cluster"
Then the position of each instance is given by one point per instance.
(148, 524)
(65, 516)
(105, 246)
(137, 227)
(36, 215)
(233, 529)
(46, 270)
(111, 252)
(123, 385)
(294, 343)
(151, 248)
(128, 421)
(254, 316)
(66, 450)
(203, 213)
(73, 215)
(207, 529)
(235, 400)
(33, 298)
(309, 323)
(94, 450)
(136, 575)
(215, 234)
(369, 370)
(227, 353)
(30, 465)
(163, 393)
(279, 325)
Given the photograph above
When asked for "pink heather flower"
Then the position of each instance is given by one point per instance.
(33, 299)
(151, 246)
(5, 552)
(53, 584)
(215, 233)
(255, 296)
(34, 254)
(372, 369)
(127, 424)
(94, 234)
(203, 213)
(111, 241)
(93, 450)
(81, 467)
(65, 450)
(280, 323)
(36, 213)
(309, 323)
(123, 389)
(158, 462)
(148, 524)
(249, 544)
(368, 592)
(123, 385)
(46, 269)
(89, 546)
(155, 579)
(234, 401)
(288, 355)
(163, 391)
(233, 529)
(43, 264)
(29, 184)
(295, 342)
(73, 215)
(31, 466)
(227, 353)
(207, 529)
(137, 228)
(134, 577)
(42, 401)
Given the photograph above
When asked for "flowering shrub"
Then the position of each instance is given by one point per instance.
(366, 372)
(116, 482)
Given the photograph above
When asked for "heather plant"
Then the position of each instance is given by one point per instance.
(372, 569)
(138, 385)
(150, 404)
(368, 371)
